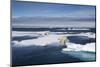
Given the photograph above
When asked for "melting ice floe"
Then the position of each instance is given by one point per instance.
(91, 35)
(42, 41)
(78, 47)
(15, 33)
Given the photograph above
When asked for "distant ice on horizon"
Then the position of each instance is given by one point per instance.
(67, 24)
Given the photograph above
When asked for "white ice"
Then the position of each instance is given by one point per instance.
(53, 38)
(15, 33)
(42, 41)
(78, 47)
(89, 34)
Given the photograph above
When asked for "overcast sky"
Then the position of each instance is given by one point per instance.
(49, 14)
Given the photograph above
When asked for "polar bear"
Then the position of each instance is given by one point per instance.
(63, 40)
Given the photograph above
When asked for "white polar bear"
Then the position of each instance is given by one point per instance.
(63, 40)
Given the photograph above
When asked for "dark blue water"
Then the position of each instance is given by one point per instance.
(20, 38)
(53, 29)
(81, 39)
(35, 55)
